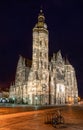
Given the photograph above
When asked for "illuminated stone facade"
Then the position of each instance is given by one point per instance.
(44, 82)
(63, 84)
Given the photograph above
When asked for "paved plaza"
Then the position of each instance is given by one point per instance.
(35, 120)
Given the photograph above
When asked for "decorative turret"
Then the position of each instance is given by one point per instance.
(41, 21)
(59, 59)
(67, 61)
(41, 17)
(20, 71)
(59, 56)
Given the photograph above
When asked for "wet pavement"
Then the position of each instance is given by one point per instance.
(35, 120)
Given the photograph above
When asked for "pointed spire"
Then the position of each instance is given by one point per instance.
(64, 60)
(59, 55)
(67, 61)
(41, 9)
(54, 56)
(41, 17)
(21, 63)
(59, 59)
(41, 20)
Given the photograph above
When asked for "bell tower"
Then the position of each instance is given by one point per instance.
(40, 44)
(40, 56)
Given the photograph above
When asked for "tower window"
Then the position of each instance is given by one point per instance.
(40, 43)
(45, 44)
(40, 54)
(41, 63)
(45, 55)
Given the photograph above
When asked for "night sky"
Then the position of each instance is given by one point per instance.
(65, 24)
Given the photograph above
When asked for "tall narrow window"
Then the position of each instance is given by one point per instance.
(40, 43)
(45, 44)
(41, 62)
(45, 55)
(40, 54)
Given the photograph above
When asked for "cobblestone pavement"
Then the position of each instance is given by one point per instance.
(35, 120)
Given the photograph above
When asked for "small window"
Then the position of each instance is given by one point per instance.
(40, 43)
(41, 63)
(45, 44)
(40, 54)
(45, 55)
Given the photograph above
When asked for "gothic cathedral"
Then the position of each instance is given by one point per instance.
(44, 82)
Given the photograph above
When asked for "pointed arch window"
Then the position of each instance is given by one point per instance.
(40, 43)
(45, 43)
(40, 54)
(41, 63)
(45, 55)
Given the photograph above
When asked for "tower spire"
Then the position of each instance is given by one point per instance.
(41, 17)
(41, 9)
(41, 21)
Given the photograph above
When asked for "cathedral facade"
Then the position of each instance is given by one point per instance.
(44, 82)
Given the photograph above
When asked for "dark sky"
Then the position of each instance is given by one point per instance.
(65, 24)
